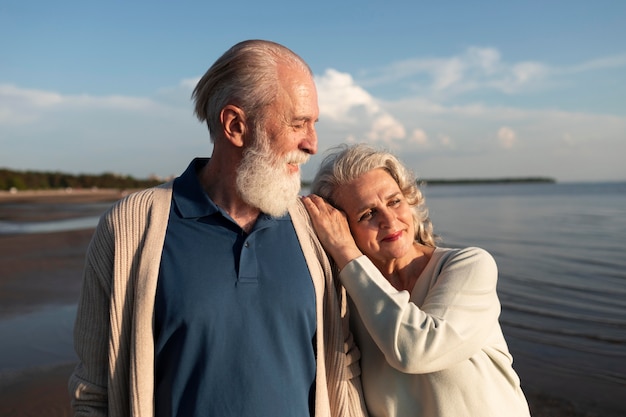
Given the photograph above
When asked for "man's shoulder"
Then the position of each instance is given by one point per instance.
(297, 209)
(143, 200)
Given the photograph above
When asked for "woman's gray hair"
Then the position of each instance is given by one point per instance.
(246, 76)
(345, 163)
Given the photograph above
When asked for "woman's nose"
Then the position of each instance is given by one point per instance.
(387, 218)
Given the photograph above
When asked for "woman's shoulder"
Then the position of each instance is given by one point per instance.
(470, 252)
(470, 259)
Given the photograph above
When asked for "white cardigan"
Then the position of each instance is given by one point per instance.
(438, 351)
(113, 334)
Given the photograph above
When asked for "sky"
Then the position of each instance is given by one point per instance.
(456, 89)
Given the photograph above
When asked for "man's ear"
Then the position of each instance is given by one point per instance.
(233, 121)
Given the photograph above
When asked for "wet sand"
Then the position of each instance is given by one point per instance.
(45, 268)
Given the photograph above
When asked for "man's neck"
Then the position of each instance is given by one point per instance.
(218, 181)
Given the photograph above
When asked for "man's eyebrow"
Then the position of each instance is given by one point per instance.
(305, 119)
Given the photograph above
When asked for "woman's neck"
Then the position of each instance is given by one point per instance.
(404, 273)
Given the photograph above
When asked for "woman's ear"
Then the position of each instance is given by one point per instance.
(233, 121)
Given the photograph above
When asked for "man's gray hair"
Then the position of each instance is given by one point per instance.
(245, 76)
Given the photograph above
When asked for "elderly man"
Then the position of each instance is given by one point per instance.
(210, 295)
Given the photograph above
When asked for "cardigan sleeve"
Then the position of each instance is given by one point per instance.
(89, 381)
(112, 335)
(457, 315)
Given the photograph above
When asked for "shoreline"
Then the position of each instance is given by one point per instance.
(46, 268)
(67, 195)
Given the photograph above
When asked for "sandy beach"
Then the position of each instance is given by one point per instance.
(45, 268)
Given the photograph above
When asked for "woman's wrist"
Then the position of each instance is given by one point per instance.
(344, 256)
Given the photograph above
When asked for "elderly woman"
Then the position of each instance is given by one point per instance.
(425, 317)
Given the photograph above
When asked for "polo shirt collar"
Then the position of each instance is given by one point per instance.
(188, 194)
(192, 201)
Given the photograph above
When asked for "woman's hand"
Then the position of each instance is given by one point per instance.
(332, 229)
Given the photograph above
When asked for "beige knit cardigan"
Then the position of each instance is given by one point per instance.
(113, 334)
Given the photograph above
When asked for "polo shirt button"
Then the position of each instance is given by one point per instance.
(247, 244)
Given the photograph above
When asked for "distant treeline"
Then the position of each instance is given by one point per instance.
(468, 181)
(32, 180)
(488, 181)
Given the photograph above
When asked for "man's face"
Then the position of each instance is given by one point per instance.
(268, 176)
(290, 121)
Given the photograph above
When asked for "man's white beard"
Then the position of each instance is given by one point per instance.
(263, 180)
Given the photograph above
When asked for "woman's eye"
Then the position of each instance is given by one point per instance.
(395, 202)
(366, 216)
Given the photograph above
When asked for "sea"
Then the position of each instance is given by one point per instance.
(561, 255)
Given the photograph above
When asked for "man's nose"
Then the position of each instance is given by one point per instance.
(309, 144)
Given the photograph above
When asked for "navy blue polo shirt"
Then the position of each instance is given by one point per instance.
(234, 314)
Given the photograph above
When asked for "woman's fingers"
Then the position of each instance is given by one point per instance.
(332, 229)
(316, 204)
(315, 201)
(330, 223)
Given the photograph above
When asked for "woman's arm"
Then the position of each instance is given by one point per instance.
(457, 316)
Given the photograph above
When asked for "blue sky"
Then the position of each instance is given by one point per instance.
(456, 89)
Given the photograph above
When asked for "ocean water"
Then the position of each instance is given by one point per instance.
(561, 254)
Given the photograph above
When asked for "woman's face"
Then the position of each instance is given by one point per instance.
(379, 216)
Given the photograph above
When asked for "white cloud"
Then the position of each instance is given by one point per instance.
(385, 128)
(84, 133)
(487, 59)
(476, 68)
(461, 139)
(189, 83)
(446, 141)
(447, 74)
(609, 62)
(419, 137)
(346, 105)
(20, 106)
(425, 130)
(12, 95)
(436, 134)
(339, 95)
(506, 137)
(567, 139)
